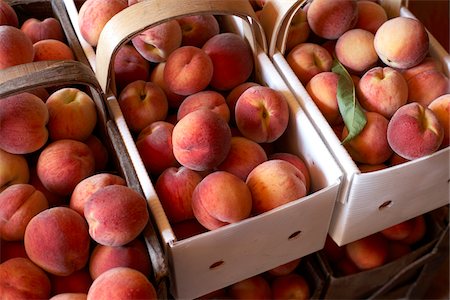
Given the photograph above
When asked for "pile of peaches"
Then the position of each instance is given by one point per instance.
(402, 91)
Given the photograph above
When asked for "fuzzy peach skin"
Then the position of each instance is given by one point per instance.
(23, 119)
(221, 198)
(290, 286)
(142, 103)
(323, 88)
(330, 19)
(174, 188)
(50, 49)
(48, 28)
(121, 283)
(232, 59)
(205, 99)
(369, 252)
(154, 144)
(262, 114)
(398, 231)
(427, 86)
(382, 90)
(274, 183)
(100, 151)
(129, 66)
(414, 131)
(157, 76)
(255, 287)
(197, 29)
(371, 145)
(371, 15)
(401, 42)
(298, 30)
(201, 140)
(132, 255)
(309, 59)
(69, 296)
(441, 108)
(298, 162)
(86, 187)
(72, 114)
(94, 14)
(22, 279)
(243, 157)
(52, 198)
(57, 240)
(233, 96)
(429, 63)
(8, 15)
(16, 47)
(19, 203)
(13, 169)
(285, 268)
(116, 215)
(63, 164)
(355, 50)
(76, 283)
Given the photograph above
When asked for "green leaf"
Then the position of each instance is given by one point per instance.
(349, 107)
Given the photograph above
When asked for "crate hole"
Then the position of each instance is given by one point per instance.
(385, 205)
(294, 234)
(216, 264)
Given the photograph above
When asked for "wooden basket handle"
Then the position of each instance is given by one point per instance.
(143, 15)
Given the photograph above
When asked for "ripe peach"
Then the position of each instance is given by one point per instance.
(69, 296)
(298, 162)
(441, 108)
(365, 168)
(157, 76)
(52, 198)
(224, 48)
(88, 186)
(8, 15)
(205, 99)
(368, 252)
(188, 70)
(174, 188)
(57, 240)
(429, 63)
(382, 90)
(414, 131)
(19, 203)
(243, 157)
(48, 28)
(255, 287)
(197, 29)
(371, 15)
(23, 120)
(298, 31)
(418, 232)
(286, 268)
(262, 114)
(308, 60)
(290, 286)
(234, 95)
(396, 159)
(100, 151)
(401, 42)
(371, 145)
(63, 164)
(129, 66)
(22, 279)
(427, 86)
(355, 50)
(50, 49)
(330, 19)
(201, 140)
(13, 169)
(16, 47)
(274, 183)
(121, 283)
(221, 198)
(116, 215)
(398, 231)
(186, 229)
(78, 282)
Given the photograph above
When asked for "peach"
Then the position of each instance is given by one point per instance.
(243, 157)
(365, 168)
(50, 49)
(224, 48)
(286, 268)
(298, 31)
(52, 198)
(69, 296)
(100, 151)
(8, 15)
(418, 232)
(132, 255)
(16, 47)
(371, 15)
(234, 95)
(382, 90)
(429, 63)
(22, 279)
(330, 19)
(157, 76)
(308, 60)
(274, 183)
(221, 198)
(396, 159)
(401, 42)
(298, 162)
(158, 42)
(88, 186)
(94, 14)
(397, 249)
(188, 228)
(142, 103)
(116, 215)
(205, 99)
(262, 114)
(188, 70)
(72, 114)
(19, 203)
(57, 240)
(11, 249)
(255, 287)
(414, 131)
(63, 164)
(129, 66)
(77, 282)
(197, 29)
(369, 252)
(13, 169)
(323, 88)
(48, 28)
(154, 144)
(371, 145)
(201, 140)
(174, 188)
(426, 86)
(345, 266)
(398, 231)
(355, 50)
(121, 283)
(441, 108)
(24, 118)
(290, 286)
